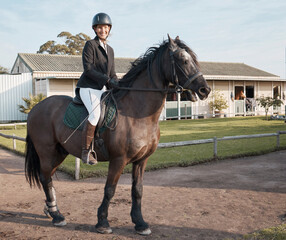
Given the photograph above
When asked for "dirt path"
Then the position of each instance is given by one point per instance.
(211, 201)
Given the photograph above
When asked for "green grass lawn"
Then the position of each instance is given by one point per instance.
(184, 130)
(272, 233)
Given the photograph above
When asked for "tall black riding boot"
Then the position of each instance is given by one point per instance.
(87, 135)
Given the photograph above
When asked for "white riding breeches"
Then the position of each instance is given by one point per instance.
(91, 99)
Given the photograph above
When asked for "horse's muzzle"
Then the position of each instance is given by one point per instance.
(204, 92)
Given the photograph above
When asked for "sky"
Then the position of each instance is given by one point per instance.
(242, 31)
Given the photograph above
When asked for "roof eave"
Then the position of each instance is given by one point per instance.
(242, 78)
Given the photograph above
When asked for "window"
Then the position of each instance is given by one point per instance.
(277, 92)
(239, 94)
(249, 91)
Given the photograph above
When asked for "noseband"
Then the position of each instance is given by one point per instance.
(175, 79)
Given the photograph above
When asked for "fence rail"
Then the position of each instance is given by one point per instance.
(14, 139)
(215, 140)
(12, 124)
(176, 144)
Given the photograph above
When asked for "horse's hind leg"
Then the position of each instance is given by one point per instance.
(51, 208)
(141, 226)
(48, 167)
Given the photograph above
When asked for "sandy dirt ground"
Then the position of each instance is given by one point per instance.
(217, 200)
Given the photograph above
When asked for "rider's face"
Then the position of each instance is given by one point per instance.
(102, 31)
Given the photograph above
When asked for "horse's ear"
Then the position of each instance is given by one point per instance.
(172, 44)
(177, 38)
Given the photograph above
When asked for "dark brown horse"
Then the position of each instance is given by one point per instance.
(133, 140)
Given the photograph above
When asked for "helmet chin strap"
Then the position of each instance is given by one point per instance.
(104, 40)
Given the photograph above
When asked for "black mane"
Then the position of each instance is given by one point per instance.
(142, 63)
(145, 61)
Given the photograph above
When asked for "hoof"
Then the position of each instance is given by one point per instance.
(103, 230)
(60, 224)
(145, 232)
(58, 218)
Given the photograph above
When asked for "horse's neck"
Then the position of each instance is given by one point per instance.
(147, 103)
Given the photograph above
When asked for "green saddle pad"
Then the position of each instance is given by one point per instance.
(76, 113)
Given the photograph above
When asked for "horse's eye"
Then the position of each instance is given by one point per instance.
(186, 62)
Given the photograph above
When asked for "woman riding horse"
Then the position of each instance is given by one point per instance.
(98, 65)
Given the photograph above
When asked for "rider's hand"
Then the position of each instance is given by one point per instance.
(113, 83)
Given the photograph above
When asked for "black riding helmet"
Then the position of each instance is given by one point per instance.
(101, 18)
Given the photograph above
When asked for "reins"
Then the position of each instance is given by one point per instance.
(166, 90)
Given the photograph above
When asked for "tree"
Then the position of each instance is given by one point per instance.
(31, 102)
(73, 44)
(217, 101)
(267, 102)
(3, 70)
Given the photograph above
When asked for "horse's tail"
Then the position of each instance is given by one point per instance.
(32, 164)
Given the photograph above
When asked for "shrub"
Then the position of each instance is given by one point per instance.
(31, 102)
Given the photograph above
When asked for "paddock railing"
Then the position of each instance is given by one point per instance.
(213, 140)
(14, 138)
(13, 124)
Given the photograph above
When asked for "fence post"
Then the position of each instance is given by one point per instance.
(215, 147)
(186, 111)
(14, 142)
(77, 168)
(278, 139)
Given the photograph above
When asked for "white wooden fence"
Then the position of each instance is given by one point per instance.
(177, 144)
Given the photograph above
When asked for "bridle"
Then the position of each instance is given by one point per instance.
(174, 80)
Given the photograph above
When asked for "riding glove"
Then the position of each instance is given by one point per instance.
(113, 83)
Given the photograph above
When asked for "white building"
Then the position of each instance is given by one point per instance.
(58, 74)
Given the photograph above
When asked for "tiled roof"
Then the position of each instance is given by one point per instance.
(232, 69)
(68, 63)
(65, 63)
(52, 62)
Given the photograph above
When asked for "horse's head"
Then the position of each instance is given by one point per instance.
(185, 71)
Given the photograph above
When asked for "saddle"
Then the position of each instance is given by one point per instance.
(76, 115)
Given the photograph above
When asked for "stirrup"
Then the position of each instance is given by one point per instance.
(89, 156)
(92, 154)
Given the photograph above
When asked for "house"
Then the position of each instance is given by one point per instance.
(58, 74)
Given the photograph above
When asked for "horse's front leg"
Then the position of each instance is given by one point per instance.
(141, 226)
(115, 169)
